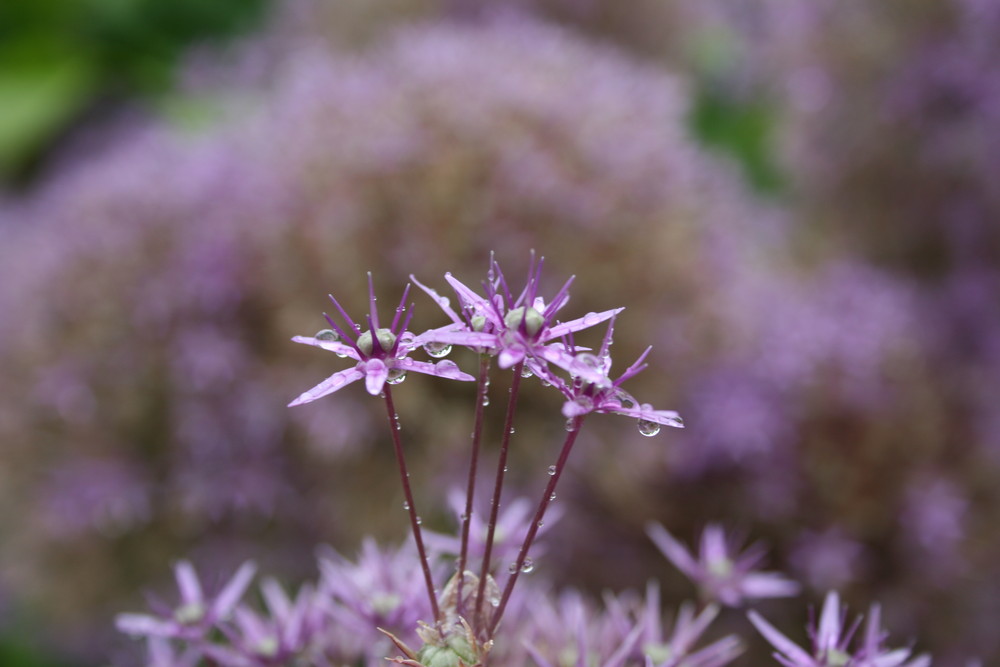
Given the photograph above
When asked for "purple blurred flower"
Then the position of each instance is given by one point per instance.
(274, 640)
(677, 649)
(196, 614)
(381, 353)
(831, 639)
(720, 570)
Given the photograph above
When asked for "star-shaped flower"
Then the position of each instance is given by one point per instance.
(584, 396)
(196, 614)
(516, 330)
(720, 571)
(831, 639)
(381, 353)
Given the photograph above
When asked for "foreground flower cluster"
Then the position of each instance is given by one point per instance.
(366, 611)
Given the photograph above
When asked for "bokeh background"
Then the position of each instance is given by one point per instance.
(792, 200)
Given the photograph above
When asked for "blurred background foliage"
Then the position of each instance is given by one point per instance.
(796, 204)
(64, 61)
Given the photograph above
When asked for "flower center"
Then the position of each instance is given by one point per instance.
(386, 340)
(532, 320)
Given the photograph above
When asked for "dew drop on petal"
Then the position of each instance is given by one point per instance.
(396, 376)
(526, 372)
(437, 350)
(648, 428)
(327, 334)
(551, 471)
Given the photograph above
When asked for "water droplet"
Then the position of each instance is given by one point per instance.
(494, 601)
(528, 566)
(512, 568)
(418, 520)
(486, 400)
(327, 334)
(571, 424)
(526, 372)
(437, 350)
(648, 428)
(464, 516)
(541, 523)
(552, 497)
(511, 430)
(406, 506)
(551, 471)
(396, 376)
(505, 468)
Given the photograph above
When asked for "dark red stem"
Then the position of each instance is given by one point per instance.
(536, 522)
(515, 386)
(477, 433)
(410, 505)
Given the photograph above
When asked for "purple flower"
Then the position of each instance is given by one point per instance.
(677, 649)
(607, 396)
(831, 639)
(517, 329)
(196, 614)
(259, 641)
(381, 353)
(721, 572)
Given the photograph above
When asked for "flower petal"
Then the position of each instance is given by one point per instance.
(329, 385)
(675, 552)
(233, 590)
(585, 322)
(442, 369)
(376, 373)
(331, 345)
(779, 641)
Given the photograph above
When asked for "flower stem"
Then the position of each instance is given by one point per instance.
(515, 387)
(410, 505)
(483, 387)
(536, 522)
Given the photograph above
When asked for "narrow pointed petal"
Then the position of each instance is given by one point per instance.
(769, 585)
(557, 354)
(142, 625)
(675, 552)
(442, 369)
(829, 624)
(329, 385)
(234, 590)
(477, 303)
(332, 346)
(187, 582)
(376, 373)
(664, 417)
(441, 301)
(470, 339)
(585, 322)
(790, 649)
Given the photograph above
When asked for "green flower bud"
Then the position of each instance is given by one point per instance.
(532, 319)
(386, 339)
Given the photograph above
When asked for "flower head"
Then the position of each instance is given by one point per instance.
(831, 639)
(677, 650)
(720, 571)
(196, 614)
(584, 396)
(515, 329)
(381, 352)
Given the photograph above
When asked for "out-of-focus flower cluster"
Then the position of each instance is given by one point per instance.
(834, 353)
